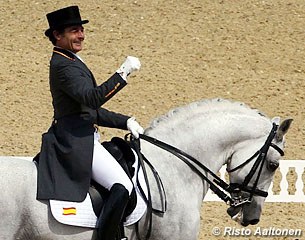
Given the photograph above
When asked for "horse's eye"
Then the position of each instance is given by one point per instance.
(272, 166)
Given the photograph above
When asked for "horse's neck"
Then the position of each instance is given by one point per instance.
(209, 141)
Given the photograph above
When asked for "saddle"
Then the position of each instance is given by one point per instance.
(85, 214)
(122, 152)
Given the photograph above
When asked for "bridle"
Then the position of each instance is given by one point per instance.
(217, 184)
(260, 156)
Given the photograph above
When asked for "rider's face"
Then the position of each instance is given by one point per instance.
(71, 39)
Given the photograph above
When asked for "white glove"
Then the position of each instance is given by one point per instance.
(131, 64)
(134, 127)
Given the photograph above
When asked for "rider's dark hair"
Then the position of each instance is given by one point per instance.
(51, 36)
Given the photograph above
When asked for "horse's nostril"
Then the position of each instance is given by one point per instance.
(254, 221)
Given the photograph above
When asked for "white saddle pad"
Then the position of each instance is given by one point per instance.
(81, 213)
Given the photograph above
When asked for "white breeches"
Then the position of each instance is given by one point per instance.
(106, 171)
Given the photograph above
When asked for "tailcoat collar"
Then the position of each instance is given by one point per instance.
(65, 53)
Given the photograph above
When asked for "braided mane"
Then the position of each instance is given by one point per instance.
(205, 106)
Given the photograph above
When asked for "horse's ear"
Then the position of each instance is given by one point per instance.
(283, 129)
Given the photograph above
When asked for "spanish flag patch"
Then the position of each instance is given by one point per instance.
(69, 211)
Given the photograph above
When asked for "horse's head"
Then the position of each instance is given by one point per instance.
(251, 168)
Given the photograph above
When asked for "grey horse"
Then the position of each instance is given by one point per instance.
(214, 131)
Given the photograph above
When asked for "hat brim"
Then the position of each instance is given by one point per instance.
(49, 31)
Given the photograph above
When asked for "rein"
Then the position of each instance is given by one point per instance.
(217, 184)
(188, 159)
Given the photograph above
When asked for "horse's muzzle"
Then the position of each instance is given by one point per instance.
(251, 222)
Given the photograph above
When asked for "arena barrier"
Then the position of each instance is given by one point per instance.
(291, 186)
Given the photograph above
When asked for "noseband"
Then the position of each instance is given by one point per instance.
(257, 166)
(217, 184)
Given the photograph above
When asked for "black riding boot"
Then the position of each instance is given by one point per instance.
(112, 212)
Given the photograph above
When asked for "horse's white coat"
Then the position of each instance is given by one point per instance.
(212, 131)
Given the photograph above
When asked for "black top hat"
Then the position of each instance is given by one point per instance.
(64, 17)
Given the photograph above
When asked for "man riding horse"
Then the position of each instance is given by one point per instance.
(71, 155)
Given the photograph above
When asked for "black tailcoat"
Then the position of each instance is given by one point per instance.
(65, 160)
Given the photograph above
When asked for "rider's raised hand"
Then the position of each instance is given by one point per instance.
(134, 127)
(130, 65)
